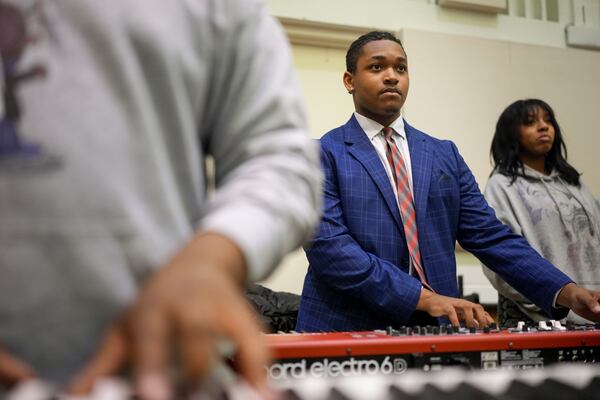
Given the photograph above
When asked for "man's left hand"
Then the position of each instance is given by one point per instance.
(583, 302)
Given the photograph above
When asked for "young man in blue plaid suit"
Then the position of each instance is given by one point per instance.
(360, 275)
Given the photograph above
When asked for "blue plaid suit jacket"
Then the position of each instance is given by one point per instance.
(358, 260)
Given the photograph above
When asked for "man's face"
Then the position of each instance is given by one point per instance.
(380, 83)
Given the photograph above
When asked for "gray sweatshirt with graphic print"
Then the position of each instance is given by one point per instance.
(561, 221)
(110, 182)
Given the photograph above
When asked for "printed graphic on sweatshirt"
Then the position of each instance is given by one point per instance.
(16, 152)
(552, 204)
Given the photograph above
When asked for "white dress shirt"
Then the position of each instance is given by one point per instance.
(374, 131)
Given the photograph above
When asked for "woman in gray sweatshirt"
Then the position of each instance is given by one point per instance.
(537, 193)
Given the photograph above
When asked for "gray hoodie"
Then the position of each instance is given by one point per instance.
(110, 179)
(559, 220)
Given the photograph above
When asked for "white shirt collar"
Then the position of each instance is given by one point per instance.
(373, 128)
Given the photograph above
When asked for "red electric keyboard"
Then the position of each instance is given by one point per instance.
(546, 362)
(392, 352)
(423, 363)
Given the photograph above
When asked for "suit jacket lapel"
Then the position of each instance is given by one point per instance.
(421, 169)
(361, 148)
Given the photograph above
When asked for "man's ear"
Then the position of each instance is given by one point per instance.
(349, 82)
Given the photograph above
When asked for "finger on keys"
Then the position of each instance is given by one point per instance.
(595, 301)
(251, 353)
(489, 318)
(592, 304)
(198, 351)
(107, 361)
(482, 318)
(453, 316)
(12, 369)
(468, 316)
(149, 336)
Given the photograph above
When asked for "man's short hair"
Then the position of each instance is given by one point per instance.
(356, 47)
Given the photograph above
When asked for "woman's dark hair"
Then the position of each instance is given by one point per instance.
(505, 145)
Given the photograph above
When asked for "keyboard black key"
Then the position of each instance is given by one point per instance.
(551, 389)
(519, 390)
(395, 393)
(591, 391)
(290, 394)
(466, 391)
(336, 394)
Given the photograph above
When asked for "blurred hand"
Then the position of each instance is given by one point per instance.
(191, 305)
(13, 370)
(195, 302)
(583, 302)
(453, 309)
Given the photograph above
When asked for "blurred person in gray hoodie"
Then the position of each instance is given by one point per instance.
(539, 195)
(112, 246)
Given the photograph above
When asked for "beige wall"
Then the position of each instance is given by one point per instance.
(459, 86)
(320, 71)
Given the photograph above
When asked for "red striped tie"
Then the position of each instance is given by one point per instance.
(405, 201)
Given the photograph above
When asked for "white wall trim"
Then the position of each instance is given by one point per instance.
(322, 34)
(355, 18)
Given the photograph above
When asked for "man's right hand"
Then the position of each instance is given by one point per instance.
(13, 370)
(453, 309)
(194, 303)
(190, 305)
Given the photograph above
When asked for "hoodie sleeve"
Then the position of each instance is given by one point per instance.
(497, 194)
(268, 180)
